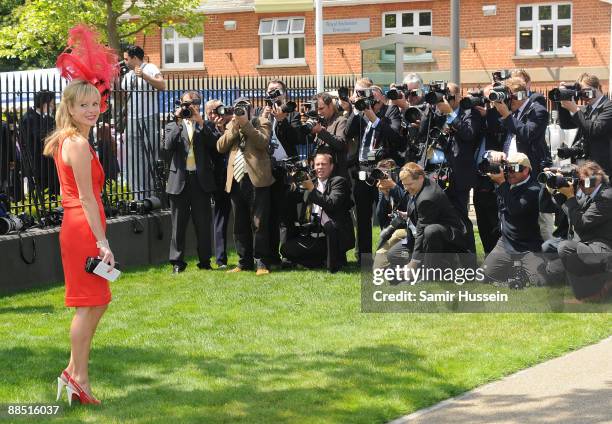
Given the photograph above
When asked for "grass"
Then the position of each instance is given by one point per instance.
(291, 347)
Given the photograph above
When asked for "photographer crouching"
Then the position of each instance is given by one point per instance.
(328, 235)
(517, 200)
(191, 181)
(594, 121)
(249, 177)
(586, 255)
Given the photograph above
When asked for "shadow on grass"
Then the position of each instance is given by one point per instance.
(365, 384)
(47, 309)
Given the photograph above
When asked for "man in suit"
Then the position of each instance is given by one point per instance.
(222, 201)
(248, 180)
(191, 182)
(464, 130)
(438, 226)
(526, 121)
(376, 130)
(587, 254)
(517, 196)
(331, 236)
(330, 134)
(285, 136)
(594, 122)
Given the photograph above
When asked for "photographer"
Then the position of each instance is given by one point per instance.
(249, 177)
(594, 121)
(217, 119)
(517, 198)
(284, 138)
(485, 200)
(410, 92)
(586, 256)
(526, 121)
(330, 132)
(191, 181)
(376, 130)
(438, 227)
(464, 130)
(329, 234)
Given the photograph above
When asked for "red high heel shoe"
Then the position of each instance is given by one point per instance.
(75, 391)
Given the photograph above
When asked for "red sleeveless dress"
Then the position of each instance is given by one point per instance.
(77, 241)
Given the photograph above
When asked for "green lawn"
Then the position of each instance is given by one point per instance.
(291, 347)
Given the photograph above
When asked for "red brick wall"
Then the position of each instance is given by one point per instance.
(494, 38)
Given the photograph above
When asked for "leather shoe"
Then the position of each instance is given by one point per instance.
(262, 271)
(204, 266)
(176, 269)
(234, 270)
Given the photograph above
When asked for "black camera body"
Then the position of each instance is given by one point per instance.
(488, 166)
(397, 92)
(123, 68)
(295, 171)
(576, 151)
(571, 92)
(473, 99)
(185, 111)
(139, 207)
(223, 110)
(500, 93)
(569, 176)
(501, 75)
(397, 222)
(438, 91)
(365, 99)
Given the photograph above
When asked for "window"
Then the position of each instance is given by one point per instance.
(544, 29)
(180, 52)
(282, 41)
(416, 23)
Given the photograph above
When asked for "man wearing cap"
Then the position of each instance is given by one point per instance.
(249, 177)
(517, 200)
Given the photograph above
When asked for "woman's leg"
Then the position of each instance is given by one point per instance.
(82, 330)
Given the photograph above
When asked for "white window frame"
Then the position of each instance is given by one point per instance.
(175, 41)
(416, 29)
(536, 24)
(289, 34)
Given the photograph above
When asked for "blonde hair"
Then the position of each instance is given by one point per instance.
(65, 125)
(590, 80)
(413, 170)
(521, 73)
(515, 84)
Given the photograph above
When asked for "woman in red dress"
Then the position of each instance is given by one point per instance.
(91, 67)
(83, 228)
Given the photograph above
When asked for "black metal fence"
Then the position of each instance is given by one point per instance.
(126, 137)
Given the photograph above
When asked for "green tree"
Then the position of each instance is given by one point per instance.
(35, 31)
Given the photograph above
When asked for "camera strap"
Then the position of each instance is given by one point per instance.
(22, 253)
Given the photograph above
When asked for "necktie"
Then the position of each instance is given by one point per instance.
(191, 164)
(239, 166)
(365, 148)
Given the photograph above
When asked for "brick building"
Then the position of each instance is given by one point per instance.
(553, 40)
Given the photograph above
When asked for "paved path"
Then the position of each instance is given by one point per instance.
(575, 388)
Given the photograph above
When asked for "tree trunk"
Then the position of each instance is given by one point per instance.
(111, 27)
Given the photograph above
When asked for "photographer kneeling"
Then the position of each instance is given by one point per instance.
(517, 201)
(586, 256)
(329, 234)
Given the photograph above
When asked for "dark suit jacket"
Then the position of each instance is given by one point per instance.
(219, 159)
(433, 207)
(518, 216)
(333, 138)
(336, 202)
(530, 130)
(176, 144)
(592, 219)
(287, 131)
(596, 130)
(386, 134)
(466, 127)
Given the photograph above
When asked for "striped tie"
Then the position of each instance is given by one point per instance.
(239, 166)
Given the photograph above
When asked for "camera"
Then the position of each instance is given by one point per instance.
(185, 111)
(571, 92)
(365, 99)
(396, 223)
(438, 91)
(502, 75)
(499, 93)
(474, 98)
(223, 110)
(140, 207)
(488, 166)
(576, 151)
(296, 171)
(240, 109)
(307, 126)
(123, 68)
(15, 223)
(273, 98)
(397, 92)
(569, 176)
(343, 94)
(412, 115)
(371, 170)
